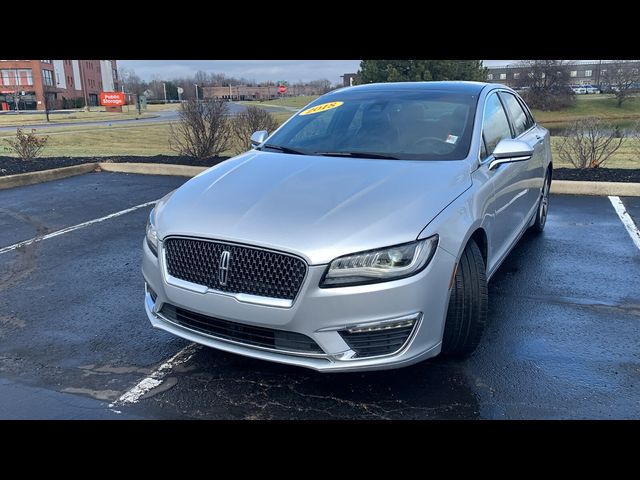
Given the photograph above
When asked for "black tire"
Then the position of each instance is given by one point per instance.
(543, 206)
(467, 313)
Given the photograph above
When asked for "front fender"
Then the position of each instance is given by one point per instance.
(460, 219)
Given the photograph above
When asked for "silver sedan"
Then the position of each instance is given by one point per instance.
(360, 235)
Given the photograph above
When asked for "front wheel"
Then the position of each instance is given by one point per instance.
(467, 313)
(543, 206)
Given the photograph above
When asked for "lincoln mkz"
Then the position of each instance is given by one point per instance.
(360, 235)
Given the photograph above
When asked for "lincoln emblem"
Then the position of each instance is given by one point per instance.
(223, 268)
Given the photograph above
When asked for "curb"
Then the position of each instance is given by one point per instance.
(573, 187)
(152, 169)
(23, 179)
(567, 187)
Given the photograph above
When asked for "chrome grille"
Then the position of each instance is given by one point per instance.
(248, 270)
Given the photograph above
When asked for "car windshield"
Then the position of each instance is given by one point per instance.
(394, 124)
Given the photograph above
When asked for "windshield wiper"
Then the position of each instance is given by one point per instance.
(358, 155)
(282, 149)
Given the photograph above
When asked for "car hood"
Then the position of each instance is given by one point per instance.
(316, 207)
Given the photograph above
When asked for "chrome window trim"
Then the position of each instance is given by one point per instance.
(240, 297)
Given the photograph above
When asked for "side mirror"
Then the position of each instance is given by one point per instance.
(508, 151)
(258, 137)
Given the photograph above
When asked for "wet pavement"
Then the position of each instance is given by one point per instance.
(561, 342)
(632, 205)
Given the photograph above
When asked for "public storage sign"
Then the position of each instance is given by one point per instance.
(111, 99)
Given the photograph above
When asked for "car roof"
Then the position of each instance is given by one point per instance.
(451, 86)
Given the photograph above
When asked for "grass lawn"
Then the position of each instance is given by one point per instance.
(296, 102)
(76, 116)
(154, 107)
(281, 116)
(601, 106)
(104, 141)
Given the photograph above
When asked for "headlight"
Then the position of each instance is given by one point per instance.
(381, 265)
(152, 235)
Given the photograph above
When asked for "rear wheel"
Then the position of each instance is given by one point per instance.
(543, 206)
(467, 313)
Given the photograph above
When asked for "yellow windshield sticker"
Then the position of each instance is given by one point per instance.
(321, 108)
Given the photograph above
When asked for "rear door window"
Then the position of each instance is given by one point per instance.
(518, 115)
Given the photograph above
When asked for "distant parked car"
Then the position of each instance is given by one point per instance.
(578, 90)
(591, 89)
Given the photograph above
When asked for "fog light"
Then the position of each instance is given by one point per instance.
(386, 337)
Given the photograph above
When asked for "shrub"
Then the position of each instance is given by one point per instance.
(203, 129)
(77, 102)
(27, 145)
(249, 121)
(590, 142)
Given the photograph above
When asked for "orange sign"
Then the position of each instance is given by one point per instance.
(111, 99)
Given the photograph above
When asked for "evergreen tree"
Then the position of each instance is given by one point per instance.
(373, 71)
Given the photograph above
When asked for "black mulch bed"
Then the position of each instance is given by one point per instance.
(598, 174)
(12, 166)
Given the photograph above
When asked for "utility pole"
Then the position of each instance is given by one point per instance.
(197, 99)
(164, 87)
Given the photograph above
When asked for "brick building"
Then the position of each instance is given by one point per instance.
(67, 83)
(580, 73)
(267, 92)
(349, 79)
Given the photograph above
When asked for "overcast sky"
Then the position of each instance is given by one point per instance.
(259, 70)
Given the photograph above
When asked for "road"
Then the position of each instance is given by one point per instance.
(160, 116)
(561, 340)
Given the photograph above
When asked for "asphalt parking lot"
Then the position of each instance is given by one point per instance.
(562, 339)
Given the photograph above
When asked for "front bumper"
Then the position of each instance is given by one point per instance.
(318, 313)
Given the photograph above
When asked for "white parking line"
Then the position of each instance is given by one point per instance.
(626, 219)
(156, 378)
(74, 227)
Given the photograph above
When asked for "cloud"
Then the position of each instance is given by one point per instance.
(259, 70)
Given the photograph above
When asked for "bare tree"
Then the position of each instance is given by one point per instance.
(48, 100)
(545, 85)
(622, 76)
(590, 142)
(320, 87)
(249, 121)
(131, 82)
(203, 130)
